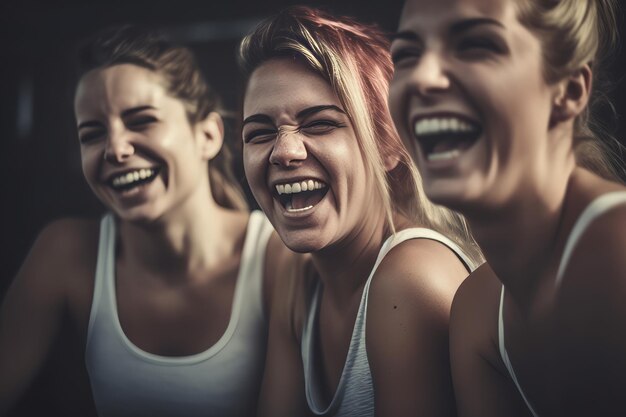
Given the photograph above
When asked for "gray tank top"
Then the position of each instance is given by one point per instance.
(223, 380)
(594, 210)
(355, 392)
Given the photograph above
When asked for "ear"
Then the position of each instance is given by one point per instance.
(210, 135)
(572, 96)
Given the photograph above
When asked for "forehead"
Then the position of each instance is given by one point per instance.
(430, 14)
(286, 86)
(118, 87)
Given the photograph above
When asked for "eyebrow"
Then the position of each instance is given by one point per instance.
(456, 28)
(264, 119)
(125, 113)
(138, 109)
(468, 24)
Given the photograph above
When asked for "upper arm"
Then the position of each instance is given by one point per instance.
(32, 310)
(591, 318)
(282, 389)
(407, 329)
(481, 384)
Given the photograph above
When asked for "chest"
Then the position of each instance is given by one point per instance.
(177, 319)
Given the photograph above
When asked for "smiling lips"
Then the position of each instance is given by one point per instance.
(301, 195)
(130, 179)
(444, 138)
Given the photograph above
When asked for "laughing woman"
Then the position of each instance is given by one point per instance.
(366, 331)
(167, 290)
(493, 98)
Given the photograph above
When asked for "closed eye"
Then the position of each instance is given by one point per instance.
(91, 135)
(320, 127)
(259, 135)
(141, 122)
(405, 55)
(472, 45)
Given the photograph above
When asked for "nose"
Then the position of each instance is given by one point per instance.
(288, 148)
(429, 75)
(118, 147)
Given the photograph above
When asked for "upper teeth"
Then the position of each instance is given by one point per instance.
(132, 176)
(439, 125)
(298, 187)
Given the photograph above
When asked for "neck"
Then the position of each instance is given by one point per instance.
(345, 266)
(522, 238)
(181, 244)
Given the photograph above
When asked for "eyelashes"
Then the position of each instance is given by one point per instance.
(405, 54)
(91, 135)
(314, 128)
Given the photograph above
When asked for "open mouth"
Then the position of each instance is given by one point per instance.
(445, 138)
(301, 195)
(130, 179)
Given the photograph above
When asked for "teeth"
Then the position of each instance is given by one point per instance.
(132, 176)
(442, 156)
(440, 125)
(298, 187)
(293, 210)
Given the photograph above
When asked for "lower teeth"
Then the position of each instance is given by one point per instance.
(441, 156)
(290, 209)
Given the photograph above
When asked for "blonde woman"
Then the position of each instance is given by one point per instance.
(366, 330)
(493, 98)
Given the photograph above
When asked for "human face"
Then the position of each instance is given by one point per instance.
(469, 99)
(139, 153)
(297, 133)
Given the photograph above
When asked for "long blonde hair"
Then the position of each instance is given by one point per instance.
(354, 58)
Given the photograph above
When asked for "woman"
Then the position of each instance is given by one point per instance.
(493, 99)
(325, 164)
(173, 322)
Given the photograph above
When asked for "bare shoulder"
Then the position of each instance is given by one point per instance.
(595, 274)
(408, 311)
(412, 290)
(590, 317)
(598, 259)
(63, 252)
(474, 314)
(419, 269)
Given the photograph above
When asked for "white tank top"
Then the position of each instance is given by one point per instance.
(355, 392)
(594, 210)
(222, 381)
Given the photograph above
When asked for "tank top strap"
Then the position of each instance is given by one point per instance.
(595, 209)
(104, 267)
(354, 394)
(505, 356)
(252, 265)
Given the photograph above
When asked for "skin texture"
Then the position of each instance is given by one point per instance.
(520, 189)
(178, 252)
(412, 289)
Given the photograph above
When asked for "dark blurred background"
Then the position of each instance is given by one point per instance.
(41, 176)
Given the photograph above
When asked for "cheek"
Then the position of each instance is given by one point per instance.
(89, 160)
(254, 165)
(397, 103)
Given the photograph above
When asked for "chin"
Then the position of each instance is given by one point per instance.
(301, 241)
(453, 194)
